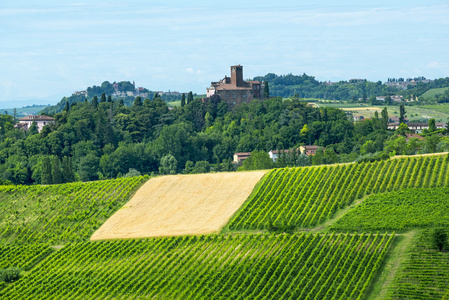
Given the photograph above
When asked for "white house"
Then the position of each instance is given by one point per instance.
(41, 121)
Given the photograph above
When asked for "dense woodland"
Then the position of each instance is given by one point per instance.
(103, 138)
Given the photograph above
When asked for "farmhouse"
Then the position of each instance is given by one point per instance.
(41, 121)
(309, 149)
(234, 90)
(239, 157)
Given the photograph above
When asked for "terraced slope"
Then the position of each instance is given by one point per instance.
(330, 266)
(305, 197)
(181, 204)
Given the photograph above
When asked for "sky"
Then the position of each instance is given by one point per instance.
(50, 49)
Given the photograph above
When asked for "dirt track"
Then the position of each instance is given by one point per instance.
(180, 205)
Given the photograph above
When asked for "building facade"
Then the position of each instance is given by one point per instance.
(234, 90)
(41, 121)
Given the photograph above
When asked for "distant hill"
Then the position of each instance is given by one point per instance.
(25, 111)
(432, 93)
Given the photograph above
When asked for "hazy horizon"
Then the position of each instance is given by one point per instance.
(50, 50)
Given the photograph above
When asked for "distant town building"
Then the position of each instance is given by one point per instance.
(234, 90)
(41, 121)
(416, 127)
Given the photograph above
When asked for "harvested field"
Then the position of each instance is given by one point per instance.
(180, 205)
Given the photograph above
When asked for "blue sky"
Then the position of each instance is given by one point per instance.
(51, 48)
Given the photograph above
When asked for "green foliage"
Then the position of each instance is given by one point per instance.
(56, 173)
(210, 267)
(46, 177)
(132, 173)
(60, 213)
(168, 165)
(305, 197)
(259, 160)
(439, 239)
(10, 274)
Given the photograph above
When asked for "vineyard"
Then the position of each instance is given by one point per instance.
(247, 266)
(46, 252)
(57, 214)
(22, 256)
(305, 197)
(425, 274)
(399, 211)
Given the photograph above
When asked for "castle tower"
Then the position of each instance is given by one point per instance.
(237, 75)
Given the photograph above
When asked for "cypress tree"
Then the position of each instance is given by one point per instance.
(189, 97)
(266, 90)
(95, 101)
(183, 99)
(46, 171)
(109, 99)
(67, 170)
(103, 97)
(56, 174)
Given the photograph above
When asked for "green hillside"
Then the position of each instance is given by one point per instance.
(44, 231)
(430, 94)
(305, 197)
(399, 211)
(443, 108)
(209, 267)
(57, 214)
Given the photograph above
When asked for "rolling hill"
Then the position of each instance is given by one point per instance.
(302, 233)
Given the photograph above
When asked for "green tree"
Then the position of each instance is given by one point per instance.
(33, 129)
(403, 129)
(67, 170)
(88, 167)
(432, 125)
(168, 165)
(189, 167)
(109, 99)
(103, 97)
(183, 99)
(318, 158)
(402, 113)
(46, 177)
(259, 160)
(306, 132)
(266, 90)
(56, 174)
(189, 97)
(201, 166)
(66, 107)
(138, 102)
(439, 239)
(303, 160)
(95, 101)
(385, 118)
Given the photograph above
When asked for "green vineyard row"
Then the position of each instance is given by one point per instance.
(307, 196)
(249, 266)
(22, 256)
(398, 211)
(425, 273)
(56, 214)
